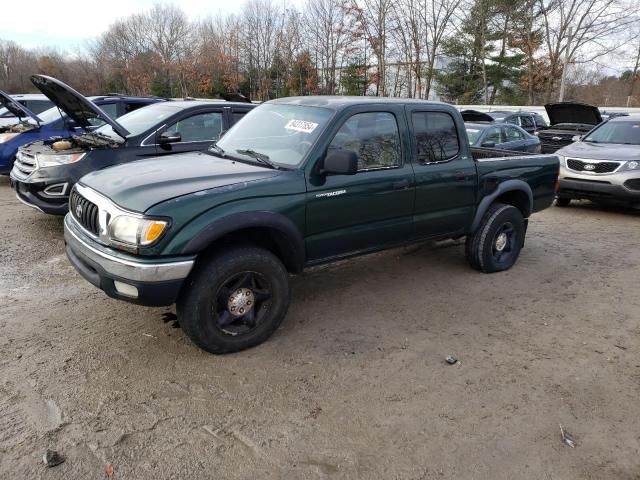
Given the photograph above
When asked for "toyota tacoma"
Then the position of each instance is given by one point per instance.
(297, 182)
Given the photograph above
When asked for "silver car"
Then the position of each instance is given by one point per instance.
(603, 165)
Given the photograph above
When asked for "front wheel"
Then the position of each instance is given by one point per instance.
(496, 244)
(234, 300)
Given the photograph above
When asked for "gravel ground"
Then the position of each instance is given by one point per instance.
(353, 385)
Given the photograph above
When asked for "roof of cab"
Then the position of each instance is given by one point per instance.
(339, 102)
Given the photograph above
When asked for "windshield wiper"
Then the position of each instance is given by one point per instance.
(261, 157)
(217, 149)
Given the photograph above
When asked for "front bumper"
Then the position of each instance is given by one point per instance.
(34, 194)
(156, 282)
(620, 187)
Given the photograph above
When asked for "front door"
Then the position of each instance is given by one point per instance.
(197, 132)
(445, 175)
(348, 214)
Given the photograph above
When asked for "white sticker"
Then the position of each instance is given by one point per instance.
(301, 126)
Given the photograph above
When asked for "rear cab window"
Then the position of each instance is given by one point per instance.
(436, 137)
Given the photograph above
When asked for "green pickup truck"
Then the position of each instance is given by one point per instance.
(297, 182)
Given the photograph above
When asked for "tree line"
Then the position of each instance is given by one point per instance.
(461, 51)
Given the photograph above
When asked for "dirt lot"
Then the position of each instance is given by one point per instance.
(354, 384)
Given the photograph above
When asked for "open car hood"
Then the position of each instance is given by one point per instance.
(571, 112)
(475, 116)
(17, 108)
(75, 105)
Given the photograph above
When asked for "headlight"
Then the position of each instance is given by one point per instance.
(59, 159)
(633, 165)
(136, 231)
(5, 137)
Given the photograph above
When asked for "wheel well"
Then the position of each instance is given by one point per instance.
(270, 239)
(518, 199)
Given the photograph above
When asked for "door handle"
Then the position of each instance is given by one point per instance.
(460, 176)
(401, 184)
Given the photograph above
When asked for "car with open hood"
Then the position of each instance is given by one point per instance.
(566, 121)
(604, 165)
(28, 126)
(45, 171)
(528, 121)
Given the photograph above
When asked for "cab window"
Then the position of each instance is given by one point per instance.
(435, 136)
(373, 137)
(201, 127)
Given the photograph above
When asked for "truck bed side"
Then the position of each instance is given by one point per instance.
(540, 172)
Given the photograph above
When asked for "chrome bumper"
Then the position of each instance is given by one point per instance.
(117, 265)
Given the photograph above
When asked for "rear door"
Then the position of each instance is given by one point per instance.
(445, 174)
(372, 209)
(197, 130)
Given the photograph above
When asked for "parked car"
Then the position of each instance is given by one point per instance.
(45, 171)
(501, 136)
(567, 120)
(29, 127)
(35, 102)
(528, 121)
(606, 115)
(604, 165)
(297, 182)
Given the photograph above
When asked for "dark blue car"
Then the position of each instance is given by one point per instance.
(501, 136)
(30, 127)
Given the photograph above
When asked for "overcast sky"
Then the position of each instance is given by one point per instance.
(67, 24)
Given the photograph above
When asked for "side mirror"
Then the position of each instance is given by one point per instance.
(576, 138)
(488, 144)
(340, 162)
(169, 137)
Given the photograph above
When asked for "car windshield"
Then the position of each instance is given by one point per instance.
(473, 134)
(626, 132)
(141, 120)
(284, 133)
(50, 115)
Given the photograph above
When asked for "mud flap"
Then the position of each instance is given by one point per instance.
(526, 225)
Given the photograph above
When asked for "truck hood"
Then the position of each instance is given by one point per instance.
(139, 185)
(17, 108)
(572, 112)
(601, 151)
(74, 104)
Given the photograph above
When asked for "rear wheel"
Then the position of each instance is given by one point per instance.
(496, 244)
(234, 300)
(563, 202)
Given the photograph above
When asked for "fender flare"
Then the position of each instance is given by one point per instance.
(289, 237)
(504, 187)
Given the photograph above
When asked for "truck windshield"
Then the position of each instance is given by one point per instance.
(284, 133)
(627, 133)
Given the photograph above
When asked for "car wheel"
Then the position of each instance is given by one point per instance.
(234, 300)
(496, 244)
(563, 202)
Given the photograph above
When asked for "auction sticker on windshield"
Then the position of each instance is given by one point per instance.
(301, 126)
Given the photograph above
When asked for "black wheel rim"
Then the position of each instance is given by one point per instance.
(504, 243)
(241, 303)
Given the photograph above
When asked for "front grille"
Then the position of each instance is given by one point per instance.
(85, 212)
(600, 167)
(551, 143)
(25, 164)
(633, 184)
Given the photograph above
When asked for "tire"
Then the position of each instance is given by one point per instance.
(487, 249)
(562, 202)
(219, 285)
